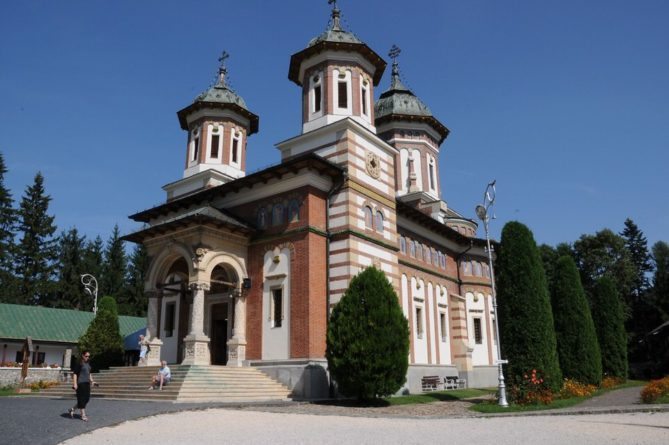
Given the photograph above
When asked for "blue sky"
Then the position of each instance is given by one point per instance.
(565, 103)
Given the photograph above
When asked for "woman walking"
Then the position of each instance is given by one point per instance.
(82, 380)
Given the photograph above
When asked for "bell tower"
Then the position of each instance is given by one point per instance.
(218, 123)
(337, 73)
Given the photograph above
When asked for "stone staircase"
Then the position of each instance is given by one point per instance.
(188, 384)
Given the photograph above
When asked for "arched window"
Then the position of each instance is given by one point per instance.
(486, 270)
(379, 221)
(293, 211)
(428, 255)
(368, 217)
(442, 260)
(364, 97)
(467, 267)
(277, 214)
(413, 248)
(435, 258)
(215, 139)
(316, 95)
(235, 146)
(477, 269)
(403, 244)
(194, 145)
(262, 218)
(419, 251)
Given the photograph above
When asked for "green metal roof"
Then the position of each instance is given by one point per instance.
(55, 325)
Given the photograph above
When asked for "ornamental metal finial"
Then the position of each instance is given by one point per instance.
(393, 54)
(222, 70)
(336, 26)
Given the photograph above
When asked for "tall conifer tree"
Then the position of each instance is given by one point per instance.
(135, 302)
(115, 267)
(71, 292)
(36, 253)
(577, 345)
(607, 314)
(637, 245)
(661, 277)
(525, 316)
(7, 240)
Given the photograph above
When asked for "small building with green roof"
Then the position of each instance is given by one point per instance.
(53, 332)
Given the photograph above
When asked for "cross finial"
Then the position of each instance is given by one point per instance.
(394, 53)
(333, 3)
(336, 25)
(222, 70)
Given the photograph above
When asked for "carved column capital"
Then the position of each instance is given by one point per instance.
(199, 285)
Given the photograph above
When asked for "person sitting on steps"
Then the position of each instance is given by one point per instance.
(163, 377)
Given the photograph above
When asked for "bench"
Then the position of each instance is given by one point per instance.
(430, 383)
(454, 382)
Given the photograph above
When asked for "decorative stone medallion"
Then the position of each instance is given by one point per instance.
(373, 165)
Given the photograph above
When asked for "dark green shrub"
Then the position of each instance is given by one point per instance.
(103, 338)
(526, 326)
(608, 315)
(577, 346)
(368, 339)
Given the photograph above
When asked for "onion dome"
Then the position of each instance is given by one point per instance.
(220, 96)
(338, 39)
(399, 103)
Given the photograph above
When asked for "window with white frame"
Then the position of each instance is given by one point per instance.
(419, 321)
(412, 248)
(369, 223)
(342, 88)
(194, 145)
(276, 307)
(428, 255)
(478, 332)
(364, 97)
(432, 174)
(235, 146)
(215, 141)
(442, 325)
(316, 94)
(403, 244)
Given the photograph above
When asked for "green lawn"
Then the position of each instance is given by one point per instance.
(439, 396)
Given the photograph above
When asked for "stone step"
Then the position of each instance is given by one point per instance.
(189, 383)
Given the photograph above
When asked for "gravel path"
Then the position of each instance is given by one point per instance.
(220, 426)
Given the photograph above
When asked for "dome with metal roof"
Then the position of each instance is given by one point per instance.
(399, 103)
(220, 95)
(338, 39)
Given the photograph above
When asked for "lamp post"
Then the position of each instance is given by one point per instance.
(483, 213)
(91, 288)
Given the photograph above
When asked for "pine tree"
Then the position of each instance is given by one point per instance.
(8, 282)
(36, 252)
(607, 313)
(115, 265)
(368, 338)
(661, 277)
(578, 349)
(637, 245)
(135, 300)
(71, 292)
(526, 326)
(103, 338)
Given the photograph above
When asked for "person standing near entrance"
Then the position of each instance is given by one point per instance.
(143, 350)
(82, 380)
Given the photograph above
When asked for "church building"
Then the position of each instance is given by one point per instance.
(245, 269)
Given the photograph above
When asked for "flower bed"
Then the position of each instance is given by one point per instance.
(655, 389)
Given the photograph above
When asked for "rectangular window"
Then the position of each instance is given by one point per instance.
(432, 187)
(214, 146)
(317, 98)
(38, 358)
(170, 313)
(235, 149)
(442, 324)
(196, 149)
(342, 94)
(277, 307)
(478, 334)
(419, 322)
(494, 331)
(19, 357)
(364, 101)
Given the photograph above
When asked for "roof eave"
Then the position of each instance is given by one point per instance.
(430, 120)
(299, 57)
(199, 105)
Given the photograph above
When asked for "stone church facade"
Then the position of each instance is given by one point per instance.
(245, 269)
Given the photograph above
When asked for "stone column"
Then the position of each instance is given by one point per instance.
(237, 344)
(196, 344)
(155, 298)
